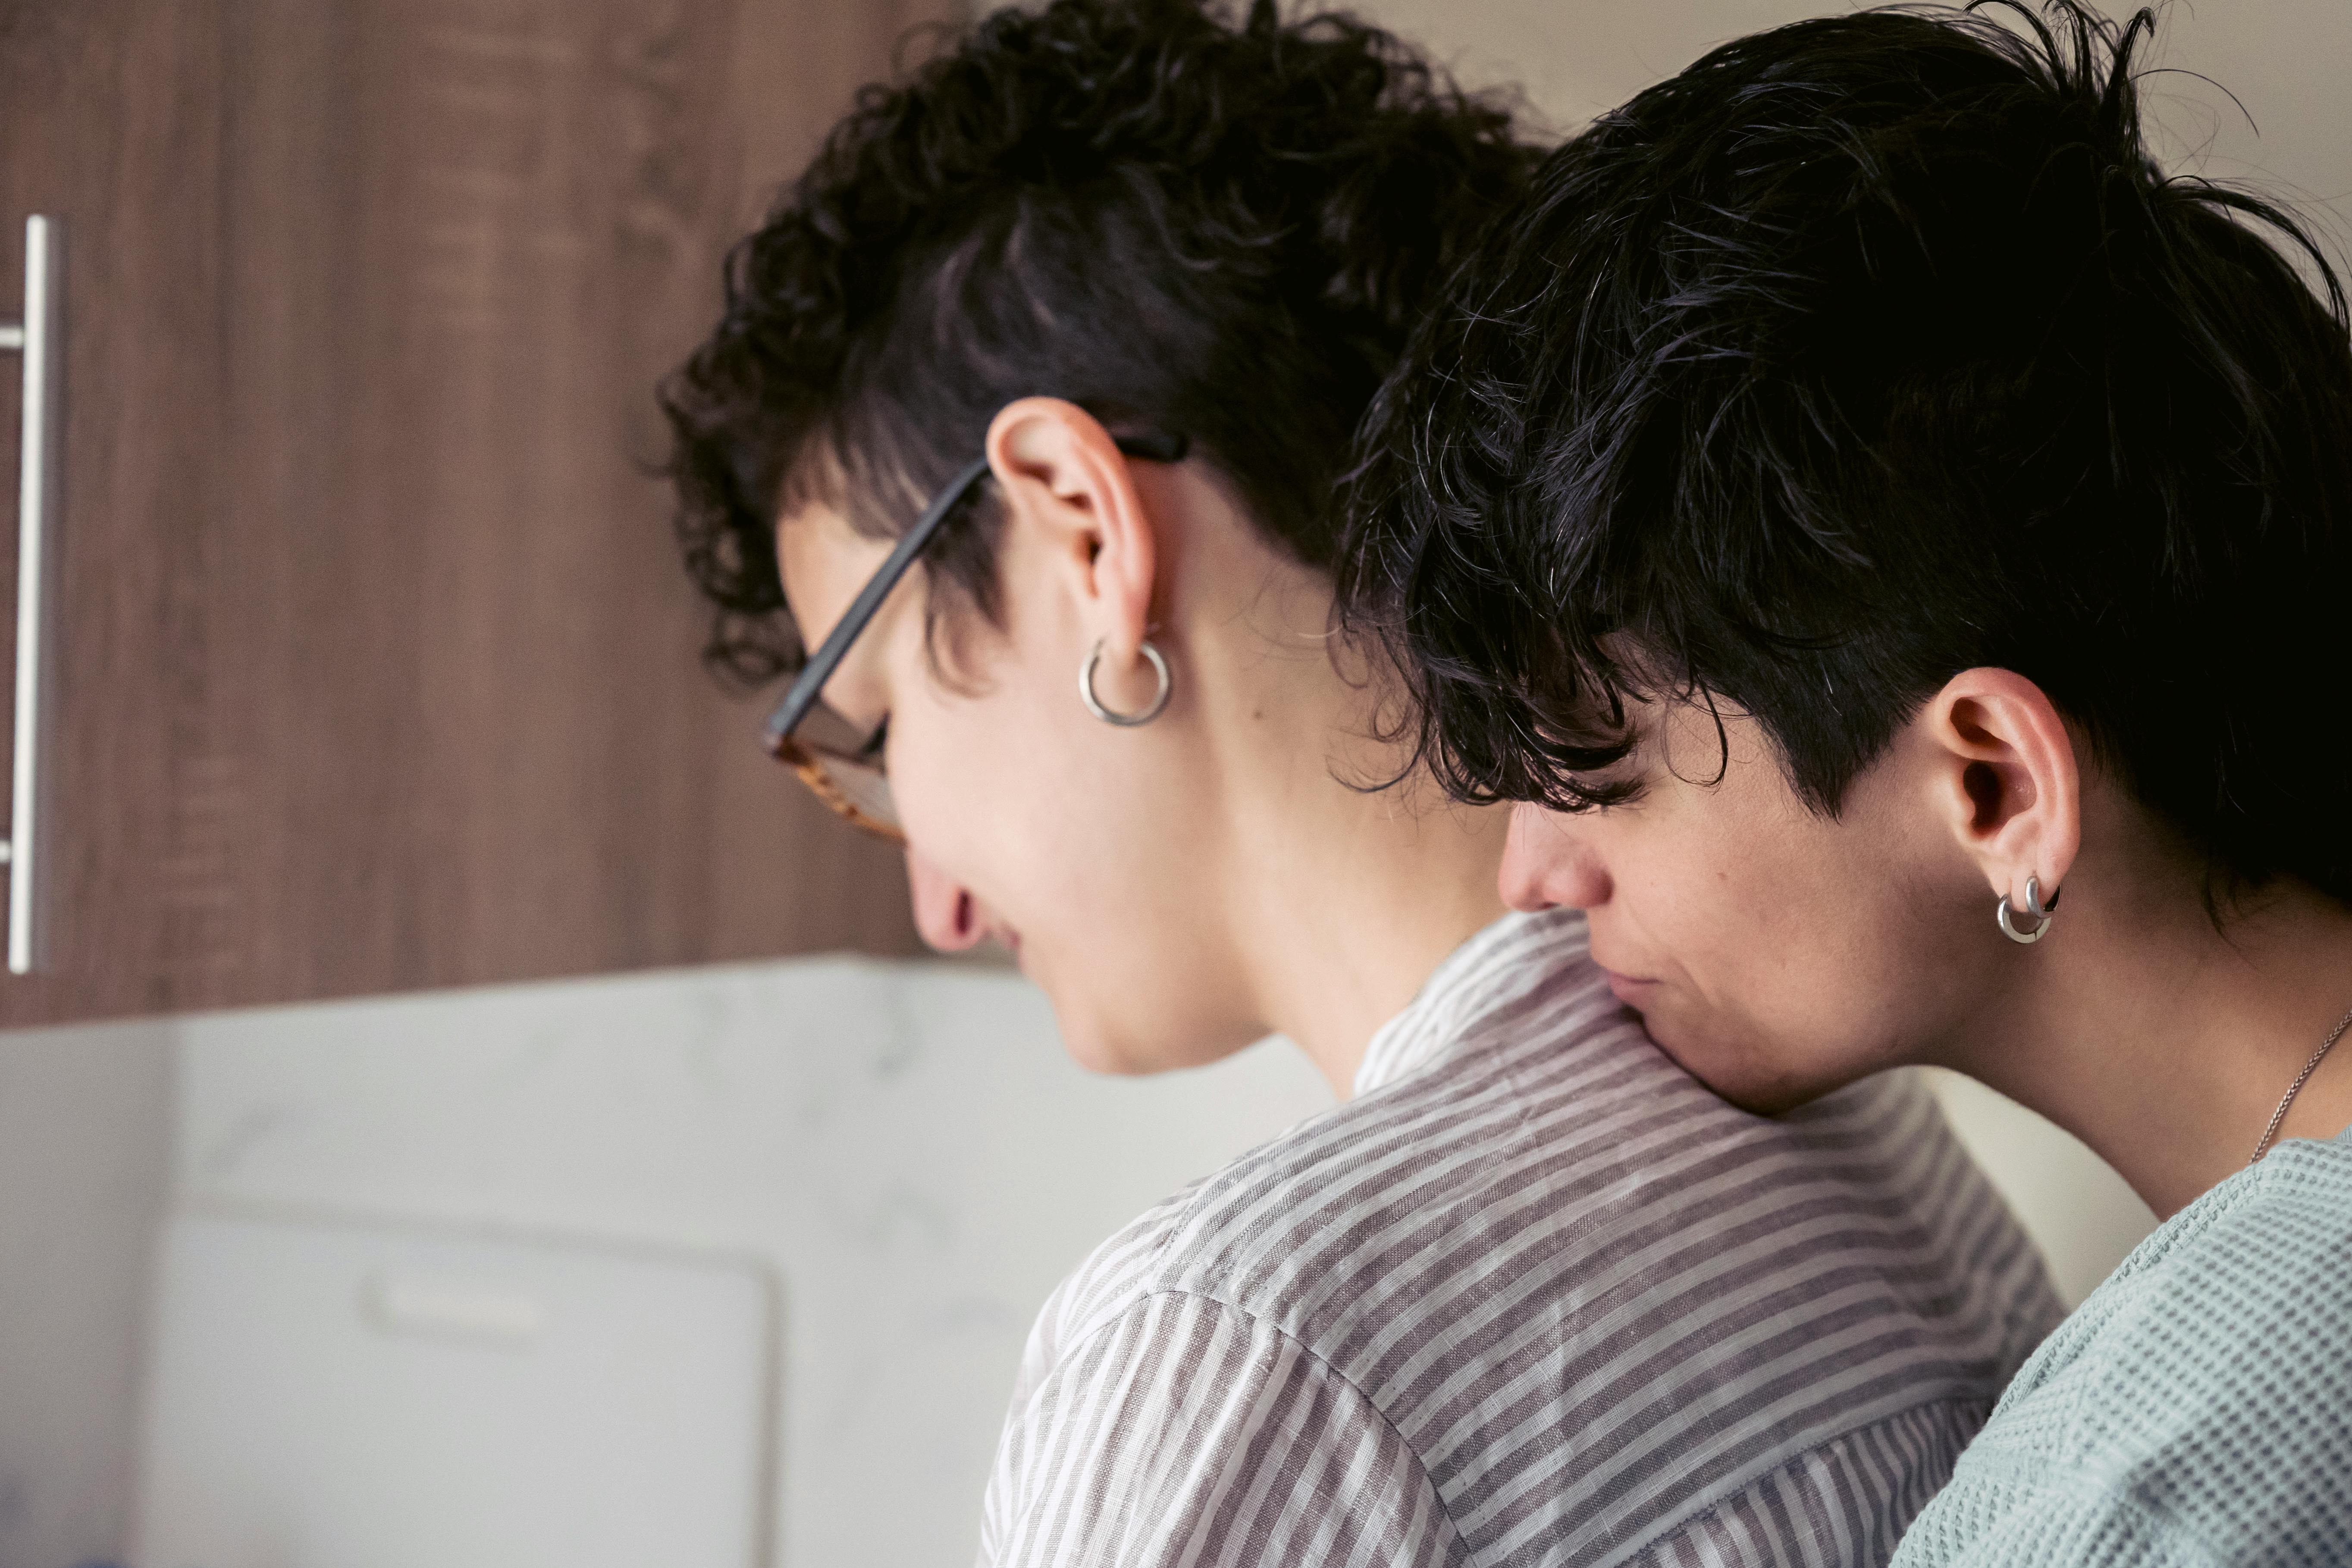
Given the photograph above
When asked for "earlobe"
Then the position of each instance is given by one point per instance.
(2010, 787)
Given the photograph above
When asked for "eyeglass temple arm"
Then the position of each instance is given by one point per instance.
(802, 694)
(809, 685)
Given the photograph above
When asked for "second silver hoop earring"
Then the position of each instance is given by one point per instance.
(1143, 715)
(2042, 914)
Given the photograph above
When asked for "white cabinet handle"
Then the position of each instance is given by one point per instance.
(38, 339)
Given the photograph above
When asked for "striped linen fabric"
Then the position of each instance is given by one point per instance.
(1534, 1296)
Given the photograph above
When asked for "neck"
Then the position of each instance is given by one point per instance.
(2166, 1045)
(1357, 913)
(1344, 897)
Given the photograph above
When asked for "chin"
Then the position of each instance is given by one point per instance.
(1104, 1041)
(1734, 1069)
(1100, 1047)
(1113, 1061)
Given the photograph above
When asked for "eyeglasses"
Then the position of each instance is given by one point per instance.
(842, 765)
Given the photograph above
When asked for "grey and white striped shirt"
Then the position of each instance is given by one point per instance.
(1534, 1296)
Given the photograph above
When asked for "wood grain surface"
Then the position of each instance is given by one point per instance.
(377, 665)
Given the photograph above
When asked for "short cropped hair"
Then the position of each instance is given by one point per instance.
(1863, 351)
(1184, 219)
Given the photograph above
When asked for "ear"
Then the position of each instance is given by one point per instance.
(1059, 472)
(2006, 778)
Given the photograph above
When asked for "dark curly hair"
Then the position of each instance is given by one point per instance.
(1176, 219)
(1865, 351)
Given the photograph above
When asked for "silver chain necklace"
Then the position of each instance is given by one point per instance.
(2295, 1087)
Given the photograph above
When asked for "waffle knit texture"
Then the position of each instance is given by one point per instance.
(2196, 1410)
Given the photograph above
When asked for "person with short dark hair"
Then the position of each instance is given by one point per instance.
(1858, 497)
(1017, 446)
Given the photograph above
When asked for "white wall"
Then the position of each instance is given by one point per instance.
(907, 1146)
(85, 1122)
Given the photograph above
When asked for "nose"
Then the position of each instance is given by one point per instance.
(1547, 864)
(945, 911)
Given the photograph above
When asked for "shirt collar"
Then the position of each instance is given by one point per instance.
(1498, 965)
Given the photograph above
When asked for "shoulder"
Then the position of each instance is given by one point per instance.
(1552, 1151)
(2224, 1296)
(1438, 1140)
(1513, 1110)
(1583, 1294)
(2200, 1402)
(1563, 1153)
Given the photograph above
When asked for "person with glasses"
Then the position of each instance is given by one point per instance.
(1017, 446)
(1891, 535)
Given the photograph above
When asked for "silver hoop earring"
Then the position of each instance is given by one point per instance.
(1144, 715)
(2042, 914)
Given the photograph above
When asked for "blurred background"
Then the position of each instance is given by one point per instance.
(460, 1104)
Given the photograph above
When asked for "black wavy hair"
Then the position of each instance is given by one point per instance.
(1863, 351)
(1214, 224)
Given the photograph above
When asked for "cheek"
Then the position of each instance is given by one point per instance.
(1090, 844)
(1716, 891)
(1789, 947)
(1046, 816)
(964, 772)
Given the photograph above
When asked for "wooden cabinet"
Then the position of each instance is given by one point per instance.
(373, 666)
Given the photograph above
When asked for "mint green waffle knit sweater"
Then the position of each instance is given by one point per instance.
(2196, 1410)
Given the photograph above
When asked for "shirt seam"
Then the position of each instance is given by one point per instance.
(1647, 1543)
(1149, 1293)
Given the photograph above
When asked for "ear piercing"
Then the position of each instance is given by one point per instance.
(2036, 909)
(1143, 715)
